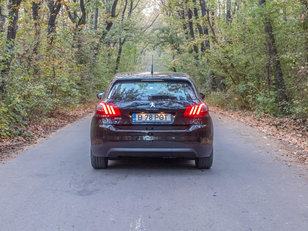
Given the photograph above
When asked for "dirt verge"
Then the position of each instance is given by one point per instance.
(291, 133)
(10, 147)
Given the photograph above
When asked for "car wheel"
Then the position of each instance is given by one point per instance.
(204, 162)
(99, 162)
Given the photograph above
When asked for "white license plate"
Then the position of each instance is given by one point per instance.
(152, 118)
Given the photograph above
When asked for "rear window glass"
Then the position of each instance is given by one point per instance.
(165, 90)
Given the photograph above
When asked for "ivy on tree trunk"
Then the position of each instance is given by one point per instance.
(280, 86)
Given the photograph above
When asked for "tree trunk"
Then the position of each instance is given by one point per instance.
(211, 25)
(273, 52)
(305, 27)
(181, 14)
(54, 9)
(205, 28)
(13, 9)
(2, 18)
(199, 27)
(228, 13)
(13, 19)
(81, 22)
(191, 28)
(121, 43)
(96, 19)
(37, 26)
(107, 29)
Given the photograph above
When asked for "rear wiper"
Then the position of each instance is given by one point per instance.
(153, 97)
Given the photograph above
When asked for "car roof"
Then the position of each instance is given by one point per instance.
(148, 75)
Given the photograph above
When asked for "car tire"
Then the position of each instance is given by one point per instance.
(99, 162)
(204, 162)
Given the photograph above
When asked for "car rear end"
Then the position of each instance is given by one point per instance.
(151, 117)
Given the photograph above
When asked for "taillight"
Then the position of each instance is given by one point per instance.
(107, 110)
(196, 110)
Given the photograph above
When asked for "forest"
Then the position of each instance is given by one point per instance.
(243, 54)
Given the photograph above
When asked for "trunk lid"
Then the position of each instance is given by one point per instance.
(173, 107)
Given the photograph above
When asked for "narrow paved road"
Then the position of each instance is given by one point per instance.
(53, 187)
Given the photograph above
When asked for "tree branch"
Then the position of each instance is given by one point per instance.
(149, 26)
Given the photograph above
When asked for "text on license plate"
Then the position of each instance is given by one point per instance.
(152, 117)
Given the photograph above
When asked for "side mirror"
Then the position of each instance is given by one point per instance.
(202, 95)
(100, 95)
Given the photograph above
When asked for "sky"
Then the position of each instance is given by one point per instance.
(152, 8)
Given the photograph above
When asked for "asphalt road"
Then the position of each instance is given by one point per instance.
(52, 186)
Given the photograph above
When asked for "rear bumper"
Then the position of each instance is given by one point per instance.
(155, 149)
(107, 141)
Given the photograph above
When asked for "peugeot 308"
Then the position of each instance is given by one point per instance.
(152, 115)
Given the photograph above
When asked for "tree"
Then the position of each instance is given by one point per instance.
(204, 24)
(257, 66)
(123, 40)
(199, 27)
(13, 9)
(56, 54)
(54, 9)
(111, 16)
(282, 98)
(37, 34)
(2, 17)
(305, 25)
(191, 26)
(228, 14)
(79, 21)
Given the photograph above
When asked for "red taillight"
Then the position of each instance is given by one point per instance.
(196, 110)
(107, 110)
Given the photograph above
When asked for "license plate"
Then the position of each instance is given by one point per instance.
(152, 118)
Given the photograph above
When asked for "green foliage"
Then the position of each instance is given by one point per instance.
(42, 72)
(266, 104)
(236, 71)
(44, 78)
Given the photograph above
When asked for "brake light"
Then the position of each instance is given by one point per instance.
(196, 110)
(107, 110)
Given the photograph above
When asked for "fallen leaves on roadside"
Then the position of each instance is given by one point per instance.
(11, 146)
(292, 132)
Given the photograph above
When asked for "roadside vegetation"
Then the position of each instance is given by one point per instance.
(57, 54)
(249, 55)
(244, 55)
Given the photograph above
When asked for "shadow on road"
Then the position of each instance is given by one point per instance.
(151, 163)
(151, 167)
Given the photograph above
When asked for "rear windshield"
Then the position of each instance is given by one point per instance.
(164, 90)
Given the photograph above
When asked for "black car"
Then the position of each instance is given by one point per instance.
(152, 115)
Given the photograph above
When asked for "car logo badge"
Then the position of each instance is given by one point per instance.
(152, 105)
